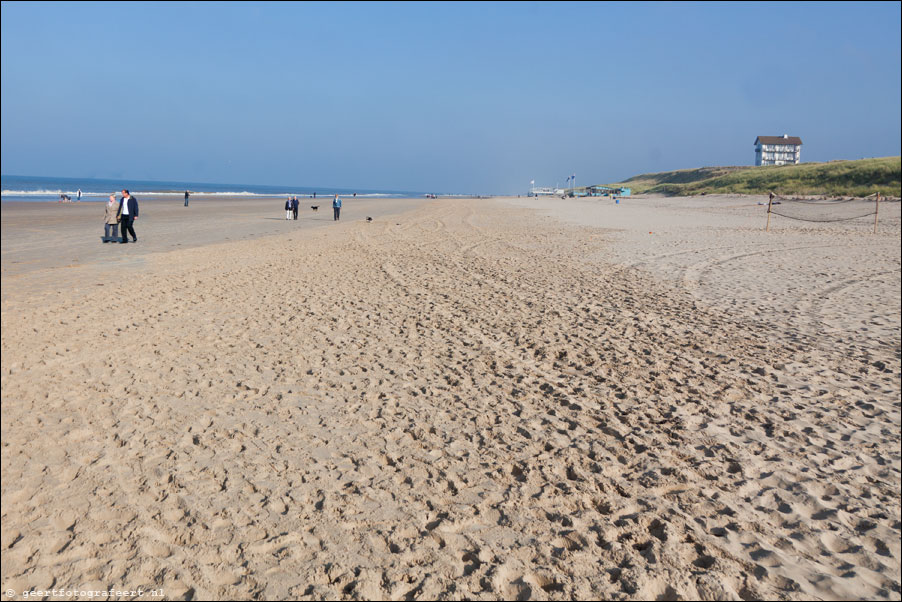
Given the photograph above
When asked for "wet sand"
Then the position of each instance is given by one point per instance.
(62, 241)
(480, 399)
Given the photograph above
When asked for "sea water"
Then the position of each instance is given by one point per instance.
(29, 188)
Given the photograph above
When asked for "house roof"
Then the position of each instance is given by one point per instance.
(778, 140)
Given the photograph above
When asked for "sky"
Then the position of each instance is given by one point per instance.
(441, 97)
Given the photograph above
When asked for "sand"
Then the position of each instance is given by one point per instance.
(55, 244)
(467, 399)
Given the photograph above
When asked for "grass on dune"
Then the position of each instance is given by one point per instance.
(837, 178)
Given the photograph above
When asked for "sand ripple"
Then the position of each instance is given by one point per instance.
(462, 402)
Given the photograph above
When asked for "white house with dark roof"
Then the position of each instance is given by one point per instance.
(778, 150)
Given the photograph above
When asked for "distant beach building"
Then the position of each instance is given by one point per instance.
(599, 190)
(778, 150)
(542, 191)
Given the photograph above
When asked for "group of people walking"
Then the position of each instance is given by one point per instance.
(122, 213)
(292, 205)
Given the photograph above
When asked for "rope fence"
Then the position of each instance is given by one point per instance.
(825, 220)
(826, 210)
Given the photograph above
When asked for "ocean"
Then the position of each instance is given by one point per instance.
(43, 189)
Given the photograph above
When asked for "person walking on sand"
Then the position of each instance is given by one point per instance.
(288, 208)
(295, 205)
(336, 208)
(128, 213)
(111, 220)
(78, 195)
(186, 198)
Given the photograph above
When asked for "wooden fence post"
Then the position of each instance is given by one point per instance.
(877, 212)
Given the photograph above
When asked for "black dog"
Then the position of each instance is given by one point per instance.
(314, 207)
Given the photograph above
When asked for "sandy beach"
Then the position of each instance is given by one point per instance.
(523, 399)
(55, 244)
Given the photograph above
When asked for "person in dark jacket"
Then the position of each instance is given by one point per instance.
(128, 213)
(295, 205)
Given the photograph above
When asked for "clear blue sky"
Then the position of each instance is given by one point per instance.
(447, 97)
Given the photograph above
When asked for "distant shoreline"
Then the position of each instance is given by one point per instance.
(29, 188)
